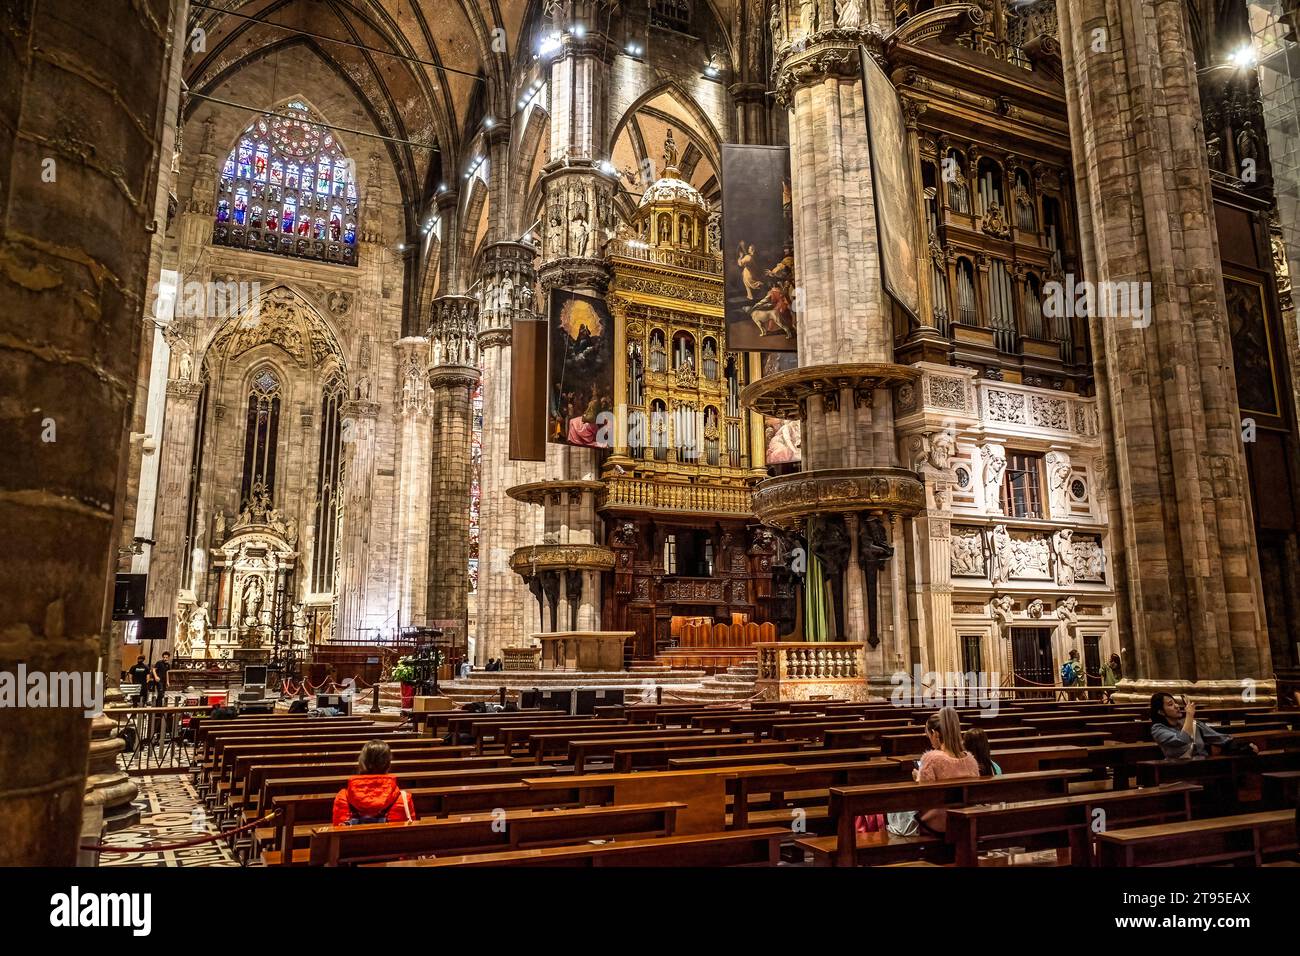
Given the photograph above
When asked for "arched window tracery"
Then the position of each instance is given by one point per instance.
(289, 188)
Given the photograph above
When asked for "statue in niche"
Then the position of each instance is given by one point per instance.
(291, 532)
(670, 152)
(1063, 549)
(187, 366)
(1058, 483)
(299, 624)
(198, 626)
(252, 601)
(848, 14)
(1247, 143)
(995, 463)
(1002, 551)
(505, 297)
(808, 15)
(218, 528)
(1067, 610)
(1214, 152)
(556, 235)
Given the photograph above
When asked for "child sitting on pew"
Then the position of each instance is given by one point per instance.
(372, 796)
(977, 742)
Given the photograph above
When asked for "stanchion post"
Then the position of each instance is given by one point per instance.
(374, 699)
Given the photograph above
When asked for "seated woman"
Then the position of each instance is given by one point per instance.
(372, 796)
(977, 742)
(947, 759)
(1180, 735)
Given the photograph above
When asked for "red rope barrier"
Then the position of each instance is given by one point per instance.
(159, 847)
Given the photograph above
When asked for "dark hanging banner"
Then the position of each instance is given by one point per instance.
(580, 380)
(758, 248)
(891, 188)
(528, 390)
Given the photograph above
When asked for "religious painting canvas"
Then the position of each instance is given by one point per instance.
(580, 380)
(892, 189)
(758, 249)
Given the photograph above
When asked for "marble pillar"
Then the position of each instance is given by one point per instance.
(1178, 495)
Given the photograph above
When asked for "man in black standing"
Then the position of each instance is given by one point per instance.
(160, 671)
(139, 674)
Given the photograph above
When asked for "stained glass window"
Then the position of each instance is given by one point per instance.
(288, 187)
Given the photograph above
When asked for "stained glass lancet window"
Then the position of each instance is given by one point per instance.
(288, 188)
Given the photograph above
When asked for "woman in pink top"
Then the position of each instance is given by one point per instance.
(947, 759)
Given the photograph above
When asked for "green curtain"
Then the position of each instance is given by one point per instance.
(814, 596)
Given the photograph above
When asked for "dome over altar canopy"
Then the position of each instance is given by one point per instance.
(671, 189)
(672, 215)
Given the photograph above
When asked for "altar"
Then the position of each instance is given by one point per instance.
(583, 650)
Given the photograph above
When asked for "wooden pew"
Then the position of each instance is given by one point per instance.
(1281, 788)
(400, 767)
(1220, 777)
(732, 848)
(1244, 839)
(914, 742)
(849, 803)
(812, 755)
(510, 736)
(543, 745)
(587, 748)
(224, 761)
(806, 788)
(341, 846)
(625, 761)
(1020, 757)
(1063, 821)
(245, 763)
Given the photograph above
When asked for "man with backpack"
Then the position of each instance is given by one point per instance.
(372, 796)
(1072, 671)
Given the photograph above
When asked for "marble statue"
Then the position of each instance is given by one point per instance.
(198, 626)
(995, 463)
(1067, 610)
(218, 527)
(1003, 554)
(187, 366)
(848, 14)
(1063, 550)
(1059, 471)
(252, 601)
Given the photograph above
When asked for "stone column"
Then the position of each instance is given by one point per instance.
(1179, 501)
(453, 374)
(358, 418)
(846, 327)
(505, 615)
(414, 455)
(72, 293)
(177, 451)
(578, 220)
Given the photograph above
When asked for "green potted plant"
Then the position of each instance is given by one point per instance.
(404, 673)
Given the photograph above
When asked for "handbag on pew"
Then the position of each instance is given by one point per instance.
(871, 823)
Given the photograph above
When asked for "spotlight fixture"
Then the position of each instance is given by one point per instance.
(489, 122)
(549, 45)
(634, 50)
(1243, 57)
